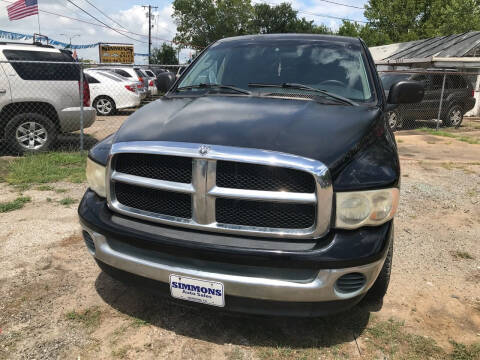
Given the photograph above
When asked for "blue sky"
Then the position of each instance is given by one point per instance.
(133, 17)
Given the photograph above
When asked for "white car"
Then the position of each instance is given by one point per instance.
(128, 72)
(110, 93)
(152, 81)
(148, 81)
(40, 101)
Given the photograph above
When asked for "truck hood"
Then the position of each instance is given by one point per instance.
(305, 128)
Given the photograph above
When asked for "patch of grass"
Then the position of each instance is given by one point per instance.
(16, 204)
(457, 254)
(90, 318)
(399, 140)
(61, 191)
(391, 339)
(67, 201)
(3, 169)
(235, 354)
(47, 168)
(467, 139)
(49, 200)
(464, 352)
(136, 323)
(45, 188)
(122, 352)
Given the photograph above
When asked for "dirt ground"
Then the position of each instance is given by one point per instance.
(56, 303)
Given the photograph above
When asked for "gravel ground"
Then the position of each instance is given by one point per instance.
(57, 304)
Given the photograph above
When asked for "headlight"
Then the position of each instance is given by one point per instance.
(362, 208)
(96, 174)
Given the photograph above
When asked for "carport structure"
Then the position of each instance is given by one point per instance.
(457, 52)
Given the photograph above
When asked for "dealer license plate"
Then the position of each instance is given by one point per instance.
(197, 290)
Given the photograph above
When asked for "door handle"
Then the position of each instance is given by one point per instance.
(3, 91)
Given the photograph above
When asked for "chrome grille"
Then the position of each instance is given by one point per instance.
(237, 175)
(220, 188)
(266, 214)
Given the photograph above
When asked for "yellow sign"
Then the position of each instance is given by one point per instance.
(116, 53)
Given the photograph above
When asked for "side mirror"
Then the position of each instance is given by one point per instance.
(406, 92)
(165, 81)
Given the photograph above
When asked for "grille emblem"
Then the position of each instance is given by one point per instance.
(203, 150)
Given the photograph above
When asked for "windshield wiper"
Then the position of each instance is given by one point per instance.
(305, 87)
(215, 86)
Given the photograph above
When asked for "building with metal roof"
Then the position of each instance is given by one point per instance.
(452, 51)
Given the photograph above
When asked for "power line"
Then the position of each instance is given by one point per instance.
(346, 5)
(108, 17)
(101, 22)
(331, 17)
(320, 15)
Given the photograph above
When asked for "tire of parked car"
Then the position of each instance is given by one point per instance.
(380, 286)
(30, 133)
(393, 119)
(104, 105)
(454, 116)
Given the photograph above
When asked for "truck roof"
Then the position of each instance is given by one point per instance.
(274, 37)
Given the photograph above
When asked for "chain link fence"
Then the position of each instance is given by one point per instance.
(450, 99)
(50, 102)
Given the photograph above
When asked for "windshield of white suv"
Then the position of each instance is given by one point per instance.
(336, 67)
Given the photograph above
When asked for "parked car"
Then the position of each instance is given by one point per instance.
(152, 81)
(458, 98)
(139, 86)
(128, 72)
(148, 82)
(264, 181)
(39, 101)
(110, 93)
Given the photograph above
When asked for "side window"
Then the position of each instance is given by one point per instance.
(456, 82)
(419, 78)
(122, 73)
(437, 81)
(90, 79)
(43, 71)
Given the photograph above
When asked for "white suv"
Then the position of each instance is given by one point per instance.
(40, 100)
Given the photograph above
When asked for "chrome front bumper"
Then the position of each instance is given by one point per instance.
(321, 288)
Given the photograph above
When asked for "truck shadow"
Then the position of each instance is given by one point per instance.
(222, 328)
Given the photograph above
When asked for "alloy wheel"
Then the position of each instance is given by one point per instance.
(104, 106)
(392, 120)
(455, 117)
(31, 135)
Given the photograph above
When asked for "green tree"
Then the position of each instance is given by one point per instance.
(349, 28)
(165, 55)
(453, 17)
(282, 18)
(201, 22)
(370, 35)
(406, 20)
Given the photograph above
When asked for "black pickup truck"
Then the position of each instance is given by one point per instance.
(264, 181)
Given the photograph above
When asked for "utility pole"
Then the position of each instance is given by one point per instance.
(150, 7)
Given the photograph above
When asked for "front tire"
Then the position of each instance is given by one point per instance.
(30, 133)
(454, 116)
(104, 105)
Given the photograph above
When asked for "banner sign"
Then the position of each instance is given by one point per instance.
(16, 36)
(116, 53)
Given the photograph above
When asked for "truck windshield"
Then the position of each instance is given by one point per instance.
(336, 67)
